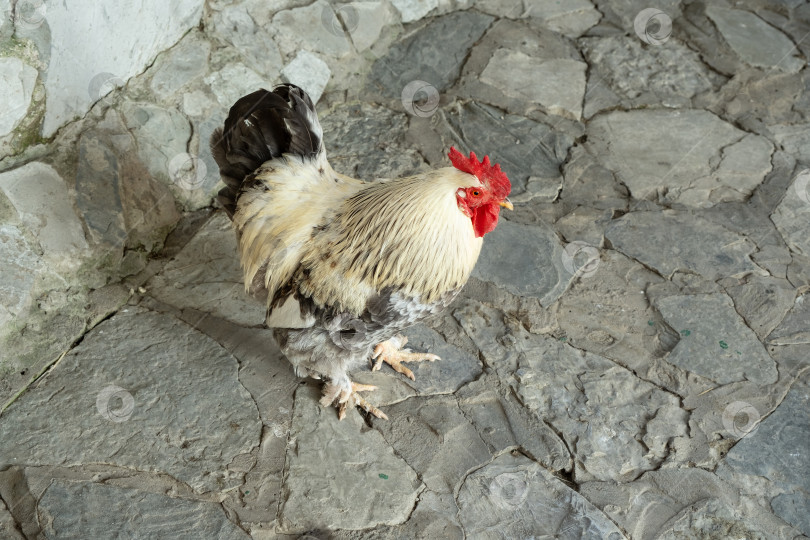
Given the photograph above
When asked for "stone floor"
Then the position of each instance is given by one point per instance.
(630, 359)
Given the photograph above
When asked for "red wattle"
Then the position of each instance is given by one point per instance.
(485, 218)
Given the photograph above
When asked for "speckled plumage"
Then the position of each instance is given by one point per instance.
(342, 264)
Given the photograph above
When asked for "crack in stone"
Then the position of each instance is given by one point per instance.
(557, 433)
(284, 491)
(422, 485)
(469, 420)
(762, 418)
(17, 524)
(50, 366)
(460, 484)
(635, 374)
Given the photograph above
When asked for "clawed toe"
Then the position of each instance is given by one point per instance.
(346, 397)
(392, 353)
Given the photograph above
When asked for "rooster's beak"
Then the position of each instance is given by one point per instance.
(506, 203)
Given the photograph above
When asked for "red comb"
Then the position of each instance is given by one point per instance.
(491, 176)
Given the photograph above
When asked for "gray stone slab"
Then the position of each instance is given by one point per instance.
(503, 422)
(603, 411)
(794, 328)
(714, 341)
(98, 195)
(303, 28)
(94, 50)
(339, 474)
(669, 75)
(144, 391)
(622, 13)
(161, 135)
(236, 80)
(591, 187)
(603, 420)
(122, 179)
(183, 63)
(309, 72)
(435, 54)
(41, 199)
(269, 377)
(792, 507)
(755, 41)
(366, 21)
(8, 527)
(206, 276)
(366, 141)
(557, 85)
(525, 260)
(89, 510)
(511, 68)
(413, 10)
(19, 265)
(795, 139)
(753, 98)
(514, 497)
(571, 19)
(792, 216)
(15, 91)
(584, 224)
(253, 41)
(523, 148)
(762, 302)
(660, 503)
(433, 517)
(712, 518)
(7, 22)
(777, 450)
(208, 170)
(686, 156)
(610, 315)
(598, 97)
(751, 221)
(433, 436)
(672, 241)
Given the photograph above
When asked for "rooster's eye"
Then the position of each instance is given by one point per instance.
(476, 193)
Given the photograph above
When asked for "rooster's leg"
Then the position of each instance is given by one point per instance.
(392, 353)
(347, 394)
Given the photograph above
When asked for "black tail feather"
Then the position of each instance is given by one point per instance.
(262, 126)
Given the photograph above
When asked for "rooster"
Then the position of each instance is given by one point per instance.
(344, 265)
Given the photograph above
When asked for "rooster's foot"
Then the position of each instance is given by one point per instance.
(346, 395)
(392, 353)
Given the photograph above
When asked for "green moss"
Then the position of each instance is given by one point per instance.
(11, 47)
(24, 49)
(28, 132)
(29, 137)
